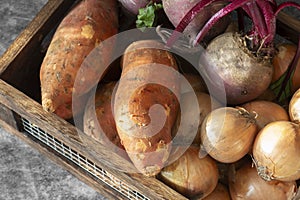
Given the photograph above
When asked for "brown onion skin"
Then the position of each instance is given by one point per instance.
(282, 60)
(190, 175)
(220, 193)
(227, 133)
(276, 151)
(266, 112)
(245, 183)
(294, 107)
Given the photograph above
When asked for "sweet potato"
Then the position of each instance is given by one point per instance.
(149, 78)
(89, 23)
(98, 120)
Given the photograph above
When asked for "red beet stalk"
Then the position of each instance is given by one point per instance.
(262, 12)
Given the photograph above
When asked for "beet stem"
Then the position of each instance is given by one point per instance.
(193, 12)
(269, 19)
(259, 22)
(290, 70)
(218, 15)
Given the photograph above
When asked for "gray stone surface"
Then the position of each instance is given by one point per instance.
(25, 174)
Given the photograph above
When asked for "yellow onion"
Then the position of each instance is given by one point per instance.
(294, 107)
(276, 151)
(245, 183)
(190, 175)
(219, 193)
(227, 133)
(266, 111)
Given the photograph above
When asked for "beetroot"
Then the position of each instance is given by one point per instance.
(175, 15)
(229, 61)
(133, 6)
(241, 68)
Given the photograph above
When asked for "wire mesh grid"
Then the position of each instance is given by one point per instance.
(82, 161)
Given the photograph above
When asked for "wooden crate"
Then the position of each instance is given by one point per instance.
(22, 115)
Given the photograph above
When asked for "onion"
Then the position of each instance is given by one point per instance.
(282, 60)
(294, 107)
(266, 112)
(190, 175)
(227, 133)
(276, 151)
(219, 193)
(245, 183)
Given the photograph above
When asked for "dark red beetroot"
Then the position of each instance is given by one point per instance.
(231, 63)
(244, 76)
(133, 6)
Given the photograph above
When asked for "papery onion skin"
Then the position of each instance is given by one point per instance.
(190, 175)
(267, 112)
(294, 107)
(219, 193)
(227, 133)
(276, 151)
(245, 183)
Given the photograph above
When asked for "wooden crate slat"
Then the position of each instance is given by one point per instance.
(64, 131)
(288, 27)
(76, 171)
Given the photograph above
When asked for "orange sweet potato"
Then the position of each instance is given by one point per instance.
(98, 120)
(89, 23)
(144, 84)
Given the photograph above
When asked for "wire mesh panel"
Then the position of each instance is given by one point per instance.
(81, 161)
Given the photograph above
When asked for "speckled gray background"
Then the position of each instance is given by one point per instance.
(25, 174)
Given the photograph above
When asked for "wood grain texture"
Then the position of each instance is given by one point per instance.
(288, 27)
(79, 173)
(67, 133)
